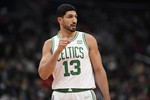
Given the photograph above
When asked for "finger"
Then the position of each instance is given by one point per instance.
(65, 41)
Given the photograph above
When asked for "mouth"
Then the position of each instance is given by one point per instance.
(73, 25)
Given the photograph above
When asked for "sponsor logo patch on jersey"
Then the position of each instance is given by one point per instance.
(79, 41)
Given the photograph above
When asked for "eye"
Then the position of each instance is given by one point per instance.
(76, 16)
(70, 16)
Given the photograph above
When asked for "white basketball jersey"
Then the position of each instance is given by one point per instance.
(73, 68)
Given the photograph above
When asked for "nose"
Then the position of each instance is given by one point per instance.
(74, 20)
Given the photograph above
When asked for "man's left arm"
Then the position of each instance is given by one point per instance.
(100, 73)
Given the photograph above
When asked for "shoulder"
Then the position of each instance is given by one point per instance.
(90, 40)
(49, 41)
(89, 37)
(47, 45)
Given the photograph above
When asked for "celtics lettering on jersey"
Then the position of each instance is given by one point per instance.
(71, 52)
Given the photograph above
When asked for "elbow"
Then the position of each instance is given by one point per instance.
(42, 75)
(100, 71)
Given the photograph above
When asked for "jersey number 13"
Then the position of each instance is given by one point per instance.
(75, 64)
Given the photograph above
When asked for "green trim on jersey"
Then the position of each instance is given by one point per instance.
(76, 35)
(70, 90)
(58, 36)
(93, 95)
(84, 39)
(53, 42)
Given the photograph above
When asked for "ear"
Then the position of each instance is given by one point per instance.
(59, 19)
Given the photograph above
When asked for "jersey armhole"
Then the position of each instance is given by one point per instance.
(52, 48)
(85, 43)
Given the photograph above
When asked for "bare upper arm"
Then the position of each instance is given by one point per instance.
(94, 52)
(46, 51)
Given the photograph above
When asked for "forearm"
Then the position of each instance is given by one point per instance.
(47, 68)
(102, 82)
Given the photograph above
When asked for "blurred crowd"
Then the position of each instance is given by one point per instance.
(121, 29)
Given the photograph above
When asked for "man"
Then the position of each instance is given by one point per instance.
(70, 57)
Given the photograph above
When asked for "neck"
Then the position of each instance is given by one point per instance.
(66, 34)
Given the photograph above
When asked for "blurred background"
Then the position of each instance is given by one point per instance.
(122, 29)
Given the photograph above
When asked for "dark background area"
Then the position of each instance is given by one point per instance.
(122, 29)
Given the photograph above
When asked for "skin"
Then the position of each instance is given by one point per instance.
(67, 32)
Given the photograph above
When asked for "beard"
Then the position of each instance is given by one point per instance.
(71, 28)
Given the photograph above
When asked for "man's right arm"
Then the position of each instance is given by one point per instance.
(48, 61)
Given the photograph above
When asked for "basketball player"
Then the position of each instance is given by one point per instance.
(71, 57)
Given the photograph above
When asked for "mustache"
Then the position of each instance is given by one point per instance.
(74, 24)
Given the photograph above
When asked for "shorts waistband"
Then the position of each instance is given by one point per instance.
(70, 90)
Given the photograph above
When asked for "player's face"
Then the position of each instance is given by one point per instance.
(69, 21)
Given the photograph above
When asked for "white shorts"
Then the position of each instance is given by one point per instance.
(84, 95)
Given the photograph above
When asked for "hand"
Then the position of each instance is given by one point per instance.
(62, 44)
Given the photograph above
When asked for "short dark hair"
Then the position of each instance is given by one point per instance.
(63, 8)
